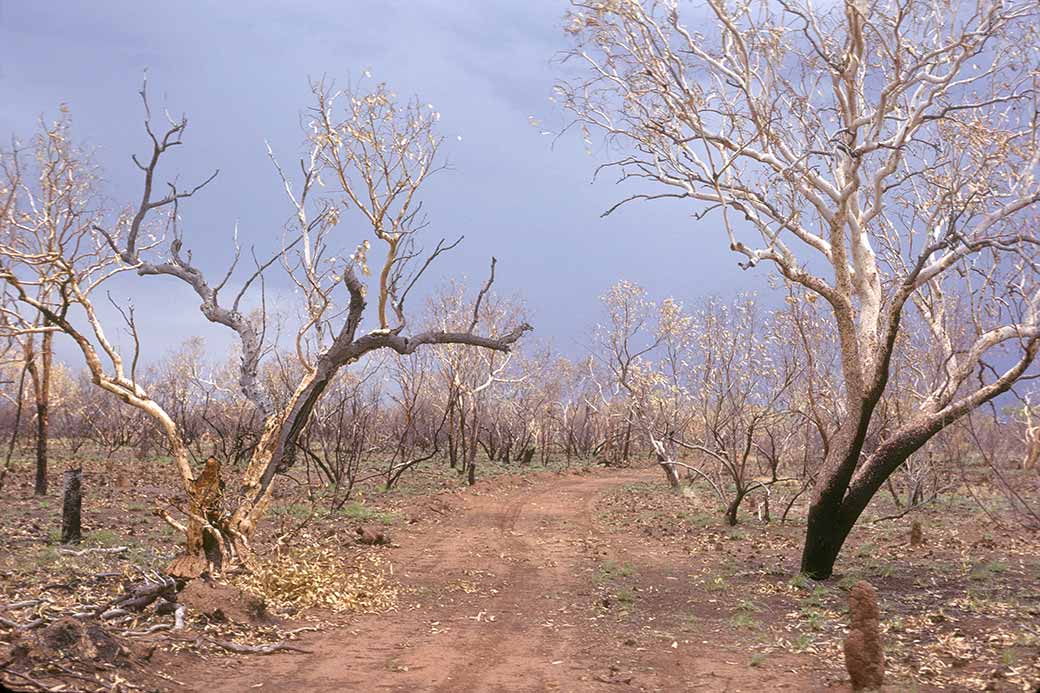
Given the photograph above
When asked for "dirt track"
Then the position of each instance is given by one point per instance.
(504, 598)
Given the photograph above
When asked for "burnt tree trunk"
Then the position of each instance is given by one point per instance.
(734, 508)
(41, 377)
(470, 454)
(71, 506)
(627, 442)
(207, 543)
(43, 409)
(834, 512)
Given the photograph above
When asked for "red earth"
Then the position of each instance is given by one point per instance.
(504, 595)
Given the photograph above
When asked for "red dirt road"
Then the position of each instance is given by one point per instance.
(501, 595)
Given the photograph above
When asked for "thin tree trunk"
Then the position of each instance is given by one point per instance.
(471, 453)
(43, 413)
(627, 443)
(14, 429)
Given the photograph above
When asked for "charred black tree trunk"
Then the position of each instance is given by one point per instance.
(734, 507)
(41, 377)
(824, 537)
(627, 443)
(41, 448)
(71, 505)
(834, 513)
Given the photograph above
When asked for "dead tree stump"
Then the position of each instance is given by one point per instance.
(72, 502)
(864, 656)
(763, 509)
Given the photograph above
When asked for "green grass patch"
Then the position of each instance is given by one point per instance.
(359, 512)
(987, 571)
(813, 619)
(801, 582)
(46, 556)
(716, 584)
(745, 621)
(747, 606)
(297, 511)
(625, 596)
(609, 570)
(104, 537)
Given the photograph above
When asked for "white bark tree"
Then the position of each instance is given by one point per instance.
(43, 208)
(883, 154)
(641, 348)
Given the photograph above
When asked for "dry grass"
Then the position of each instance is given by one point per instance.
(308, 577)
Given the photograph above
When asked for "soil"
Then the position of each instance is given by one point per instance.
(575, 580)
(505, 597)
(222, 603)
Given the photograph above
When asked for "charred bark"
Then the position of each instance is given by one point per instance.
(830, 521)
(41, 378)
(72, 503)
(733, 508)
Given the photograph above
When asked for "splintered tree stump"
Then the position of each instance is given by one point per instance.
(864, 656)
(72, 502)
(763, 510)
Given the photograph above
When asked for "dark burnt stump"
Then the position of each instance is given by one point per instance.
(70, 507)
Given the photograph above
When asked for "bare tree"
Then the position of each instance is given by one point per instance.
(469, 377)
(414, 429)
(740, 379)
(43, 209)
(653, 398)
(342, 432)
(882, 154)
(379, 147)
(12, 393)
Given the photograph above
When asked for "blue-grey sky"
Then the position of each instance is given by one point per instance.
(240, 72)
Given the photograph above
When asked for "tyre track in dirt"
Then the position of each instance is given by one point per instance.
(519, 549)
(546, 594)
(500, 596)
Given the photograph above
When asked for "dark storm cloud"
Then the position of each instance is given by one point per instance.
(239, 70)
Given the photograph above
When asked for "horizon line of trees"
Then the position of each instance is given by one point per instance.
(729, 396)
(881, 158)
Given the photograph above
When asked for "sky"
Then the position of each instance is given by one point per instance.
(240, 72)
